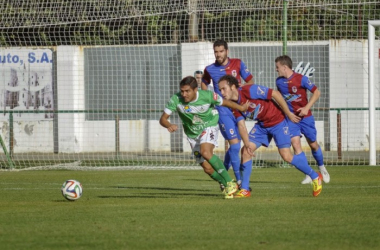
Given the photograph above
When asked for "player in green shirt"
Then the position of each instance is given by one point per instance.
(200, 123)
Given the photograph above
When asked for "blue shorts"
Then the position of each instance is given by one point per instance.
(263, 136)
(305, 127)
(228, 127)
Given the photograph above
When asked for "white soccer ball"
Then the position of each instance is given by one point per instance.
(72, 190)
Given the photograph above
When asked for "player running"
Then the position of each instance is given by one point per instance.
(200, 123)
(293, 87)
(224, 65)
(271, 123)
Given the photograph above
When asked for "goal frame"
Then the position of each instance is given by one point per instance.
(371, 90)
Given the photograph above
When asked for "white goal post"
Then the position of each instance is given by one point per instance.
(371, 90)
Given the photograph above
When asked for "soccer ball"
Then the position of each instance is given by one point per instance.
(72, 190)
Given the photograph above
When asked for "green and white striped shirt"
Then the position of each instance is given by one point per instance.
(198, 114)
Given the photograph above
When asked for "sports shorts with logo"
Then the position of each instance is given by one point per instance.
(262, 136)
(208, 135)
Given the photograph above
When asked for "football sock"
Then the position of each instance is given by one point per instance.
(218, 166)
(235, 159)
(318, 156)
(217, 177)
(246, 174)
(300, 162)
(227, 160)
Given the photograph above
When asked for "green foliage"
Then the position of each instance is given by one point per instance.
(93, 22)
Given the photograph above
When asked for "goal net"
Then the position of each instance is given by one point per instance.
(84, 83)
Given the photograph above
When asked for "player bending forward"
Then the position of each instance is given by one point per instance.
(200, 123)
(271, 123)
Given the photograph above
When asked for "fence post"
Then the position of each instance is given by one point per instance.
(117, 136)
(339, 132)
(7, 155)
(11, 135)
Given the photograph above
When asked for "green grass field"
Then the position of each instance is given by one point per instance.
(173, 209)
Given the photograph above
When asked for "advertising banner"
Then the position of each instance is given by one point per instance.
(26, 82)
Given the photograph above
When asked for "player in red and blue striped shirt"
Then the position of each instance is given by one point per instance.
(294, 87)
(271, 123)
(222, 66)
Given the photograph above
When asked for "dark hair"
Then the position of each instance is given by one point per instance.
(285, 60)
(189, 80)
(198, 72)
(220, 42)
(231, 80)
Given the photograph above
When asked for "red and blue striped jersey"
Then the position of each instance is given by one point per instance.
(294, 90)
(215, 71)
(261, 107)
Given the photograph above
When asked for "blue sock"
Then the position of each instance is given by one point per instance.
(227, 160)
(300, 162)
(318, 156)
(246, 172)
(235, 159)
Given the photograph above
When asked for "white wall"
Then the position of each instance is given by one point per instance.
(349, 89)
(75, 133)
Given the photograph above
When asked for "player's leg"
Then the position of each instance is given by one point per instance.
(309, 130)
(296, 144)
(207, 168)
(281, 136)
(208, 140)
(257, 137)
(230, 132)
(218, 166)
(318, 156)
(246, 171)
(295, 135)
(300, 162)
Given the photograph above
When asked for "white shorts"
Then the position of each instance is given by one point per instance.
(209, 135)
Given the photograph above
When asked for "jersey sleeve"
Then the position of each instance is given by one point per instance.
(238, 115)
(215, 98)
(260, 92)
(307, 84)
(206, 78)
(244, 72)
(171, 105)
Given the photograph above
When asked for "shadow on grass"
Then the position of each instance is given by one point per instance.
(199, 180)
(160, 188)
(178, 192)
(158, 196)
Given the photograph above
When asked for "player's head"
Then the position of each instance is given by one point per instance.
(219, 43)
(198, 76)
(228, 86)
(221, 52)
(284, 66)
(189, 88)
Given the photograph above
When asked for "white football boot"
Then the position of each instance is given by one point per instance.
(325, 174)
(307, 180)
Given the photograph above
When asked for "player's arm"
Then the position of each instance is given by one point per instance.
(244, 136)
(246, 75)
(277, 97)
(234, 105)
(314, 98)
(164, 121)
(249, 82)
(204, 86)
(206, 79)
